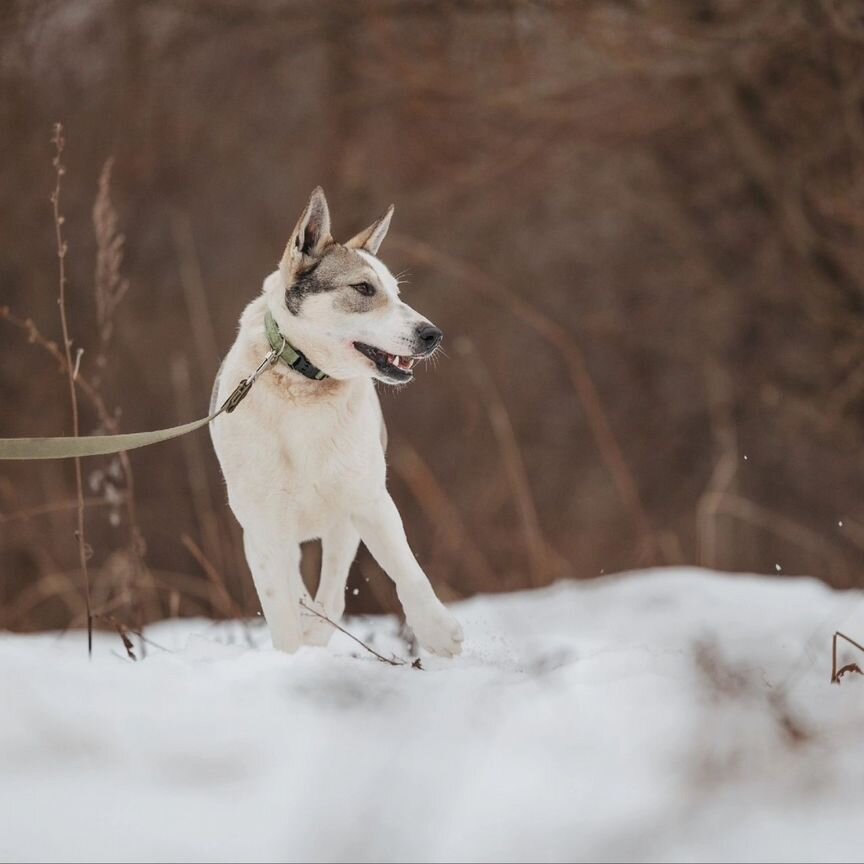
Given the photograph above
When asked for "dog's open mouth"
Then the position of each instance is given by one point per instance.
(392, 365)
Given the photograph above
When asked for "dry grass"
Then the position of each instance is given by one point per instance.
(125, 586)
(645, 217)
(70, 369)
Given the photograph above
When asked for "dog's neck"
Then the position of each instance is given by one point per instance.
(253, 336)
(289, 355)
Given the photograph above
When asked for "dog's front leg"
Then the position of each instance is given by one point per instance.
(275, 565)
(380, 528)
(338, 550)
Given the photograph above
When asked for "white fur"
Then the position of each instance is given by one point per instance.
(305, 459)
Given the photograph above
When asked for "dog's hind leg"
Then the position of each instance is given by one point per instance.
(381, 529)
(338, 550)
(275, 566)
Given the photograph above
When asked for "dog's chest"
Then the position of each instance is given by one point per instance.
(331, 457)
(311, 458)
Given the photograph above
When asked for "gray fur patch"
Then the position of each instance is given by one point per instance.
(353, 302)
(305, 285)
(337, 268)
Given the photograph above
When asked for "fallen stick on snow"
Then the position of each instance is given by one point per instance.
(395, 661)
(837, 674)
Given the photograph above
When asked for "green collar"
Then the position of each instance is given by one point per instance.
(287, 353)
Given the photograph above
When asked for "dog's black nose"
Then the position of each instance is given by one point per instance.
(429, 337)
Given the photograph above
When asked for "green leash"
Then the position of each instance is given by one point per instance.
(93, 445)
(102, 445)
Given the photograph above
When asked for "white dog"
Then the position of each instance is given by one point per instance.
(303, 455)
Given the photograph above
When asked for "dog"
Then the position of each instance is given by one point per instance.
(304, 455)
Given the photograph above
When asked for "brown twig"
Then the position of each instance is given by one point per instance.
(82, 382)
(837, 674)
(59, 143)
(88, 389)
(123, 631)
(396, 661)
(124, 638)
(50, 509)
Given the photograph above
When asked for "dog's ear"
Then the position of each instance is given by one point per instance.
(311, 235)
(371, 239)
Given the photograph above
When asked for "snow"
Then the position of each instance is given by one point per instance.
(669, 715)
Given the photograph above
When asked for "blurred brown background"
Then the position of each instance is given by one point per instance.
(638, 223)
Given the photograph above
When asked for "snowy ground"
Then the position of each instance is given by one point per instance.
(669, 715)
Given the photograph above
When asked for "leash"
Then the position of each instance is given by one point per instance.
(103, 445)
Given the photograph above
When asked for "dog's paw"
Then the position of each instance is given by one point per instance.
(284, 641)
(316, 631)
(437, 630)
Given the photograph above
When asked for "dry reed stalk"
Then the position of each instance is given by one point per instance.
(196, 469)
(222, 597)
(229, 546)
(781, 526)
(62, 248)
(110, 288)
(726, 467)
(52, 586)
(380, 586)
(443, 514)
(195, 295)
(514, 465)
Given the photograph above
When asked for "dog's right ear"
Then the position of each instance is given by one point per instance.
(372, 238)
(311, 236)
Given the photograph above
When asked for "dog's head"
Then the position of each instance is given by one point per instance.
(340, 305)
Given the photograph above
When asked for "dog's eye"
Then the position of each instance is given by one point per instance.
(364, 288)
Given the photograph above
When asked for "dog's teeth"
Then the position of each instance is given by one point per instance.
(410, 364)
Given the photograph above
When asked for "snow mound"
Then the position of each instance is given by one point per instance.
(666, 715)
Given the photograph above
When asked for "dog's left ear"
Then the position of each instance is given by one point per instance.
(311, 235)
(371, 239)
